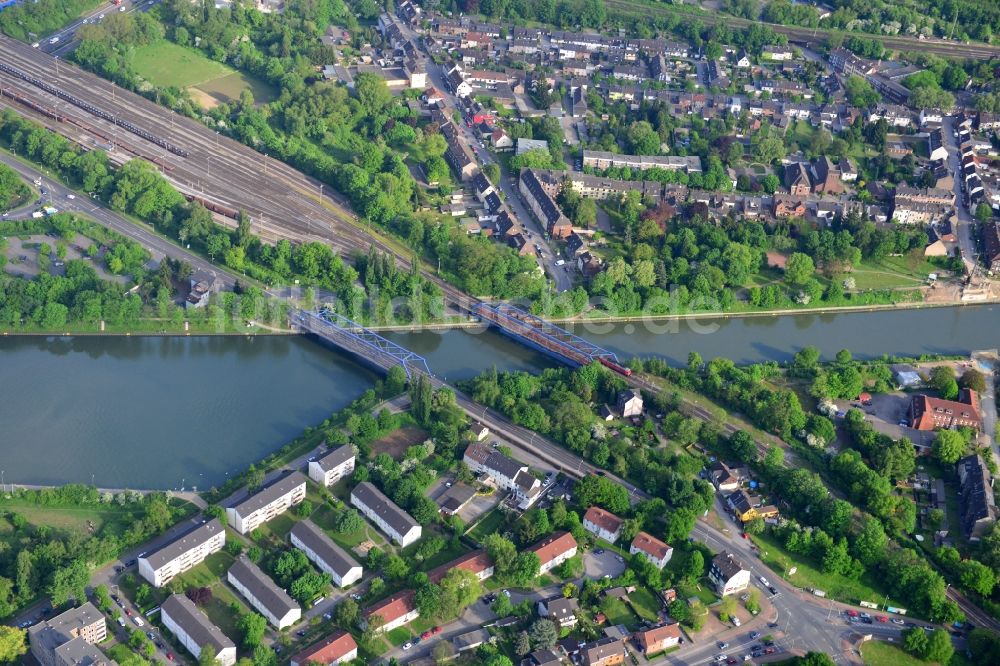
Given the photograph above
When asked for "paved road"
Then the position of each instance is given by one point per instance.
(158, 246)
(965, 220)
(66, 36)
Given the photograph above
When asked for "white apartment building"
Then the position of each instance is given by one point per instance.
(333, 466)
(325, 554)
(554, 550)
(194, 630)
(504, 472)
(273, 499)
(263, 595)
(388, 517)
(184, 552)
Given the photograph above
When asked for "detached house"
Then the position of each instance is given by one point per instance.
(654, 550)
(554, 550)
(630, 403)
(657, 639)
(395, 611)
(728, 575)
(604, 524)
(559, 610)
(337, 648)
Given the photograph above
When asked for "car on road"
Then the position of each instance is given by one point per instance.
(866, 620)
(300, 633)
(865, 615)
(436, 630)
(71, 196)
(882, 618)
(506, 593)
(327, 616)
(355, 596)
(772, 589)
(754, 635)
(763, 581)
(599, 551)
(424, 636)
(896, 620)
(150, 636)
(723, 645)
(138, 621)
(721, 658)
(852, 613)
(407, 645)
(170, 656)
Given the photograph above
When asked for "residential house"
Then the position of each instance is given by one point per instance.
(932, 117)
(606, 651)
(399, 525)
(542, 205)
(455, 498)
(504, 472)
(848, 172)
(273, 499)
(543, 658)
(470, 640)
(553, 550)
(192, 629)
(263, 594)
(977, 506)
(723, 478)
(788, 206)
(455, 80)
(337, 648)
(657, 639)
(728, 575)
(826, 177)
(183, 552)
(500, 140)
(742, 58)
(477, 562)
(600, 159)
(743, 505)
(394, 611)
(927, 413)
(560, 610)
(325, 554)
(797, 179)
(629, 403)
(200, 289)
(651, 548)
(776, 53)
(330, 468)
(70, 638)
(991, 245)
(936, 149)
(604, 524)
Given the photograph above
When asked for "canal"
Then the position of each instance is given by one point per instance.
(159, 412)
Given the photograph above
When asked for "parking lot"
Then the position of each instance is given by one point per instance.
(603, 564)
(889, 414)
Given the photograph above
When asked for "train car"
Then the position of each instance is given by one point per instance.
(611, 365)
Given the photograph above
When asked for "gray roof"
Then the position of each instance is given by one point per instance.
(282, 485)
(470, 639)
(262, 587)
(79, 652)
(318, 542)
(183, 543)
(456, 497)
(60, 629)
(384, 507)
(336, 458)
(195, 623)
(727, 565)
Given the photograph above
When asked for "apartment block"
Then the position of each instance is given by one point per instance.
(186, 551)
(272, 500)
(194, 630)
(333, 466)
(70, 638)
(382, 511)
(325, 554)
(263, 594)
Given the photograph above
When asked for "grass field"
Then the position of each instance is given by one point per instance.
(910, 270)
(490, 523)
(806, 575)
(877, 653)
(85, 520)
(645, 603)
(618, 612)
(166, 64)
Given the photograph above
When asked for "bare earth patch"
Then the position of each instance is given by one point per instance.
(397, 441)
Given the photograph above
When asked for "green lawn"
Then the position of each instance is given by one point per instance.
(489, 524)
(618, 612)
(645, 603)
(703, 592)
(910, 270)
(209, 572)
(807, 575)
(166, 64)
(446, 554)
(74, 519)
(399, 635)
(877, 653)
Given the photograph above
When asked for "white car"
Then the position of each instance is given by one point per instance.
(71, 196)
(138, 621)
(763, 581)
(407, 645)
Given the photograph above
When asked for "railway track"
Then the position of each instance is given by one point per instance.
(282, 202)
(803, 35)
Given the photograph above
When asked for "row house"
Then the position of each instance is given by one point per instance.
(478, 562)
(263, 594)
(543, 207)
(273, 499)
(893, 114)
(337, 648)
(977, 506)
(182, 553)
(786, 206)
(409, 12)
(487, 80)
(394, 611)
(387, 516)
(849, 64)
(991, 245)
(600, 159)
(192, 629)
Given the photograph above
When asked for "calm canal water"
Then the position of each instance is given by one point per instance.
(151, 412)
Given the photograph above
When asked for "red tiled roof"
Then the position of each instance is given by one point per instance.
(336, 645)
(647, 543)
(603, 519)
(553, 546)
(391, 608)
(477, 561)
(929, 413)
(652, 638)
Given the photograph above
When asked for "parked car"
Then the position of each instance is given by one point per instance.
(763, 581)
(138, 621)
(407, 645)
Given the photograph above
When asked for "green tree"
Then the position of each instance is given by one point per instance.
(543, 634)
(984, 212)
(799, 268)
(948, 446)
(939, 647)
(915, 641)
(13, 644)
(942, 379)
(973, 379)
(207, 655)
(252, 626)
(814, 659)
(977, 577)
(346, 614)
(69, 582)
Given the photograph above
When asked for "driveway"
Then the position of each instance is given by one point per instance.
(606, 564)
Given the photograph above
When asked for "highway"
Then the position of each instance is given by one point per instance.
(64, 38)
